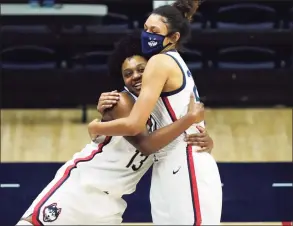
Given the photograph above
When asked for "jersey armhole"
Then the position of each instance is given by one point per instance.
(170, 93)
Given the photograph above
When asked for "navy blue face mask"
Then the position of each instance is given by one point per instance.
(152, 44)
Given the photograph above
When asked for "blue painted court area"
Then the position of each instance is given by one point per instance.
(253, 192)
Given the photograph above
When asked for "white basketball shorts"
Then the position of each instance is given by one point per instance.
(186, 188)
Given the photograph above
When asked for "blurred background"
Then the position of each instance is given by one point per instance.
(53, 70)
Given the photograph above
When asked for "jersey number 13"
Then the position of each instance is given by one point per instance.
(136, 166)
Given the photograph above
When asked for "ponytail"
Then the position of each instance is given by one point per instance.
(187, 7)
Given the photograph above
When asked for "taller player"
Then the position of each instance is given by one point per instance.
(88, 189)
(186, 186)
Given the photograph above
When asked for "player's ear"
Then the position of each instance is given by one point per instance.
(175, 37)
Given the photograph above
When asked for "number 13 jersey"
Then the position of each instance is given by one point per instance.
(111, 164)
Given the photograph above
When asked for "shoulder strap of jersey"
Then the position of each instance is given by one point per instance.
(173, 54)
(130, 93)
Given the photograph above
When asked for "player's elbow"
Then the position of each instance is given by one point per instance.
(145, 150)
(147, 147)
(134, 128)
(92, 129)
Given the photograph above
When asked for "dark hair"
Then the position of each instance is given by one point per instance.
(178, 17)
(128, 46)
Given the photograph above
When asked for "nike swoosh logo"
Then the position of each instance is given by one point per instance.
(174, 172)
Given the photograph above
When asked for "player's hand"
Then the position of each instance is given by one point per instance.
(195, 110)
(107, 100)
(201, 139)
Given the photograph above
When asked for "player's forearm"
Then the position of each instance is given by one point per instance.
(163, 136)
(118, 127)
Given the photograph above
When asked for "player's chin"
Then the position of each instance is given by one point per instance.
(136, 90)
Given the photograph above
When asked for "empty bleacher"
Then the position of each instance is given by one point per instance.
(240, 54)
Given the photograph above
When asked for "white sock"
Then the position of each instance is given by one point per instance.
(23, 222)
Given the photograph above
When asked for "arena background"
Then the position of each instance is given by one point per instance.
(53, 70)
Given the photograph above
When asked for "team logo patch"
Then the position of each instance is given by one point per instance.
(51, 213)
(152, 42)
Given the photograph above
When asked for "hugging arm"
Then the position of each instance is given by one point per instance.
(146, 142)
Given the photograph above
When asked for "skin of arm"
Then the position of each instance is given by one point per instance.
(155, 76)
(146, 142)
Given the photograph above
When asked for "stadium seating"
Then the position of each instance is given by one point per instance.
(291, 18)
(246, 57)
(25, 29)
(246, 16)
(110, 23)
(92, 61)
(198, 21)
(228, 38)
(193, 58)
(28, 57)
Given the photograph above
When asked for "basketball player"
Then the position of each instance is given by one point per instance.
(88, 189)
(186, 186)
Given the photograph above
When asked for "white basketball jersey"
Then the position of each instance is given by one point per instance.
(174, 105)
(112, 165)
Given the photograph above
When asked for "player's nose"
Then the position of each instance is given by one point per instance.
(136, 76)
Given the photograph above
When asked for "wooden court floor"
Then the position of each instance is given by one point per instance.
(240, 135)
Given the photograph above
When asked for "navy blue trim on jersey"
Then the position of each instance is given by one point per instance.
(132, 97)
(129, 94)
(170, 93)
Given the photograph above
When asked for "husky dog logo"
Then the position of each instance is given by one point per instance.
(152, 42)
(51, 213)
